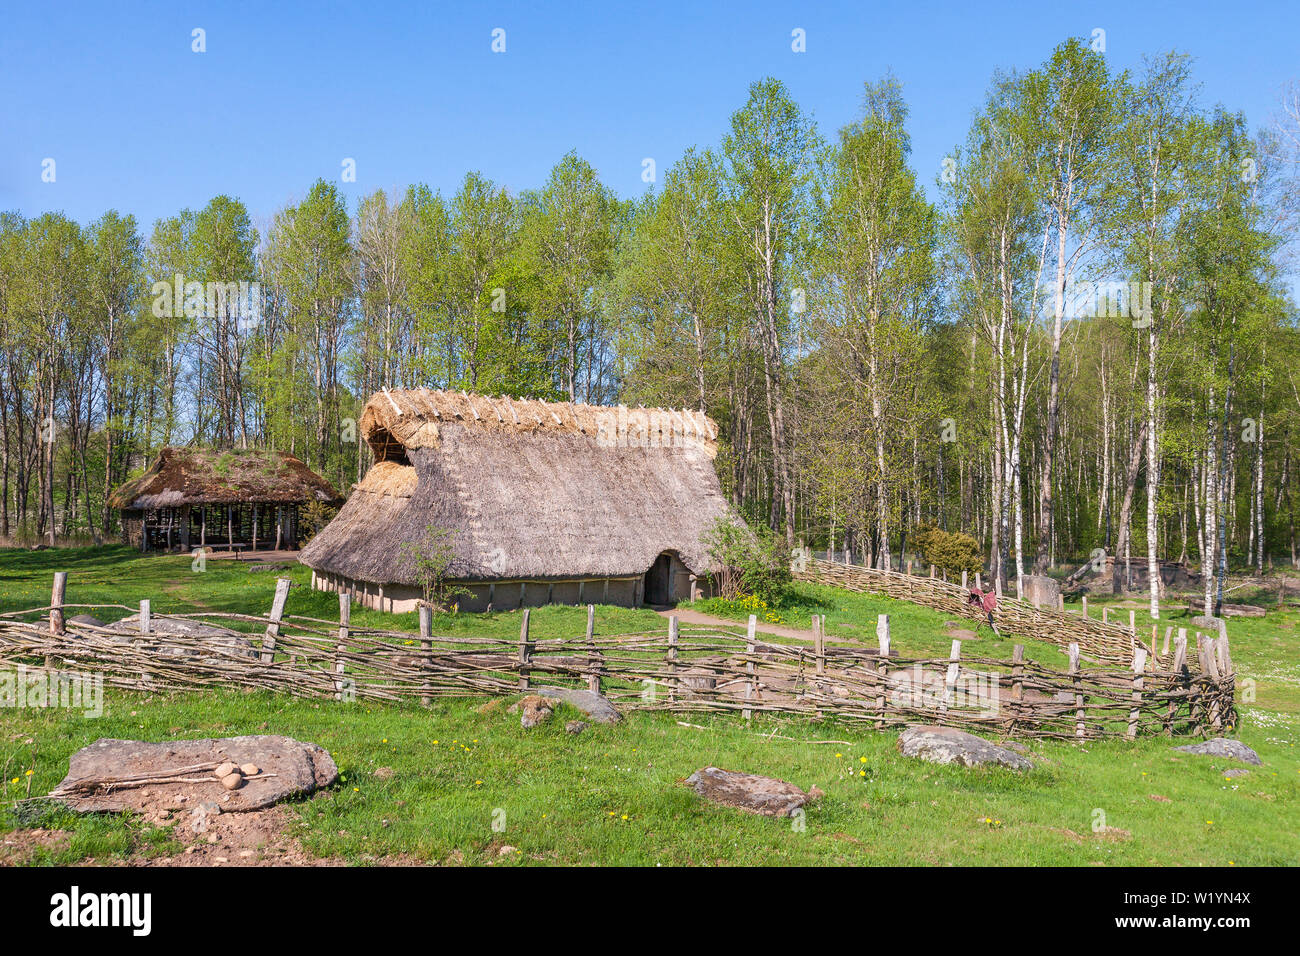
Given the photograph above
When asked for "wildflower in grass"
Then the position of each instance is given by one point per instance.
(29, 773)
(16, 779)
(839, 755)
(625, 816)
(478, 783)
(862, 760)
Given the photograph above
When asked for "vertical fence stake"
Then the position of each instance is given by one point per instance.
(819, 655)
(1017, 681)
(1210, 667)
(1132, 621)
(1080, 726)
(277, 612)
(672, 659)
(950, 679)
(963, 580)
(57, 593)
(345, 621)
(1180, 676)
(146, 616)
(1164, 650)
(750, 689)
(882, 664)
(1139, 668)
(1085, 605)
(593, 661)
(525, 651)
(426, 651)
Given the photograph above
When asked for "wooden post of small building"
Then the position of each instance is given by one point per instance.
(1080, 725)
(525, 651)
(750, 689)
(345, 622)
(146, 616)
(1135, 712)
(672, 660)
(882, 664)
(57, 594)
(277, 612)
(593, 659)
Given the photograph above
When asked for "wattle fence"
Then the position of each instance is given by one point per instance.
(680, 669)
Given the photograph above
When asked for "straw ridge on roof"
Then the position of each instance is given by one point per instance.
(529, 489)
(192, 476)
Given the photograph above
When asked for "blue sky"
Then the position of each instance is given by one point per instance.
(413, 93)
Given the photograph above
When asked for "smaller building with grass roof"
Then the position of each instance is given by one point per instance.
(234, 499)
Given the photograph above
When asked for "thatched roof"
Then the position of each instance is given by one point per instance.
(192, 476)
(529, 489)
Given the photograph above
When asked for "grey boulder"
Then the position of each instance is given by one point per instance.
(949, 745)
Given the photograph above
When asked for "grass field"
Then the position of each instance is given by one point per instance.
(614, 795)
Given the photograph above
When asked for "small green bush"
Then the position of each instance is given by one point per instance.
(753, 562)
(949, 551)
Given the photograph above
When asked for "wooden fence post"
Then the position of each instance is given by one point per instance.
(1139, 668)
(1085, 605)
(950, 678)
(978, 579)
(882, 639)
(672, 659)
(345, 621)
(525, 651)
(1132, 621)
(426, 650)
(57, 593)
(1164, 650)
(819, 654)
(593, 659)
(277, 612)
(750, 689)
(1180, 677)
(1210, 667)
(1017, 681)
(963, 580)
(1080, 724)
(146, 616)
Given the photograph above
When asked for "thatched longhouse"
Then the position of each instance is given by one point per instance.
(193, 497)
(544, 502)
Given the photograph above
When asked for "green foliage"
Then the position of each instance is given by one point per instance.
(753, 562)
(431, 557)
(950, 551)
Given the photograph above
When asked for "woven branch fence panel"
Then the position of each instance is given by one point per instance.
(682, 670)
(1099, 641)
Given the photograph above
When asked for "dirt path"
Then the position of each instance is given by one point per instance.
(687, 616)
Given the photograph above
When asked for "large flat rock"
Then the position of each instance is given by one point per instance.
(950, 745)
(1223, 747)
(589, 702)
(750, 792)
(292, 769)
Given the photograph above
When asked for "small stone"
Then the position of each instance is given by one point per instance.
(213, 838)
(249, 769)
(533, 710)
(575, 727)
(383, 773)
(221, 859)
(226, 769)
(1236, 772)
(232, 781)
(247, 853)
(504, 849)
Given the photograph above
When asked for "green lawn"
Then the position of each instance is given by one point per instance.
(614, 795)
